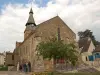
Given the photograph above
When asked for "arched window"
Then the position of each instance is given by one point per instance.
(12, 57)
(86, 58)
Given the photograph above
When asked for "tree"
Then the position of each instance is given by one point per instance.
(54, 49)
(88, 33)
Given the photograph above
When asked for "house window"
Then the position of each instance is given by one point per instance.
(12, 57)
(86, 59)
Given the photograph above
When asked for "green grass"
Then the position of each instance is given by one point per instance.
(3, 68)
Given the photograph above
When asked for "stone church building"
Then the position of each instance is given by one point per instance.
(33, 34)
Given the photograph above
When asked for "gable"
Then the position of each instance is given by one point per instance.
(91, 47)
(49, 28)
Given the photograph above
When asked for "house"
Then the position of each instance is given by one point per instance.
(2, 59)
(86, 48)
(96, 53)
(11, 59)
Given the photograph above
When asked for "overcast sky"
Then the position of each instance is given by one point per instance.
(77, 14)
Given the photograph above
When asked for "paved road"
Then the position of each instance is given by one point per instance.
(12, 73)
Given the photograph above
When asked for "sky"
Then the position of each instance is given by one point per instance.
(79, 15)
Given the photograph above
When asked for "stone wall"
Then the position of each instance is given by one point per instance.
(9, 59)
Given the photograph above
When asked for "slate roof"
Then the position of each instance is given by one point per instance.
(31, 11)
(84, 44)
(30, 19)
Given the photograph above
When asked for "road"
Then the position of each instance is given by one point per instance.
(12, 73)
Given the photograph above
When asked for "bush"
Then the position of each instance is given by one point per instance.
(3, 68)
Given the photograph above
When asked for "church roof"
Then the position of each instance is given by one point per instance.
(30, 19)
(49, 28)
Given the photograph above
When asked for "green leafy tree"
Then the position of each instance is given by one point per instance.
(54, 49)
(88, 33)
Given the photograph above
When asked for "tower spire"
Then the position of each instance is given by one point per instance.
(31, 19)
(31, 11)
(30, 25)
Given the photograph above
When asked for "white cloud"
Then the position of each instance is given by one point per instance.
(78, 14)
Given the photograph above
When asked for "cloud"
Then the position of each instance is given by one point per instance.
(77, 14)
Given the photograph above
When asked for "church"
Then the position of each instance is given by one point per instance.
(33, 34)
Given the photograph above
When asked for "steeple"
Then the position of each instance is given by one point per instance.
(31, 19)
(31, 11)
(30, 25)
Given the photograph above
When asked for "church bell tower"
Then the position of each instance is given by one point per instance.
(30, 25)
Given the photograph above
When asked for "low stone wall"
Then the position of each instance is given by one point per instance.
(10, 68)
